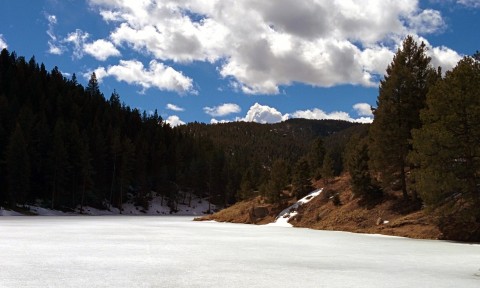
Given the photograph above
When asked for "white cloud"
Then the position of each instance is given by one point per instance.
(222, 110)
(101, 49)
(156, 75)
(3, 42)
(319, 114)
(174, 120)
(215, 121)
(264, 114)
(54, 45)
(441, 56)
(470, 3)
(427, 21)
(77, 39)
(363, 109)
(174, 108)
(262, 45)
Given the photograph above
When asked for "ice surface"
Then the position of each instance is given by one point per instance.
(171, 251)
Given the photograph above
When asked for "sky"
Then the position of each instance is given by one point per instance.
(217, 61)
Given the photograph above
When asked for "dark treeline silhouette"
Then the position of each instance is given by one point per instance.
(66, 145)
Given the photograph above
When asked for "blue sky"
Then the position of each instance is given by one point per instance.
(225, 60)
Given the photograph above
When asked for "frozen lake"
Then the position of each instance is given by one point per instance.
(143, 251)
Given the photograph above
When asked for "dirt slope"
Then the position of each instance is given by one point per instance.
(389, 216)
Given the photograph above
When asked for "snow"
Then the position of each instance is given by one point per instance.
(171, 251)
(290, 212)
(5, 212)
(198, 206)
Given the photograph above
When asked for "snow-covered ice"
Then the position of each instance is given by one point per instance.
(171, 251)
(291, 211)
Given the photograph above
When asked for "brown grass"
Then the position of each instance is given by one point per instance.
(351, 215)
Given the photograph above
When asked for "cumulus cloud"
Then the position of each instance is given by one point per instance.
(222, 110)
(266, 114)
(363, 109)
(174, 120)
(441, 56)
(263, 114)
(427, 21)
(262, 45)
(101, 49)
(215, 121)
(319, 114)
(157, 75)
(174, 108)
(3, 42)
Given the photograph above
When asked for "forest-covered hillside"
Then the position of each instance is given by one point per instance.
(65, 145)
(422, 151)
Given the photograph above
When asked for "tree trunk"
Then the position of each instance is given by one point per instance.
(403, 183)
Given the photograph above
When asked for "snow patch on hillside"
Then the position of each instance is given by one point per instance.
(291, 211)
(156, 206)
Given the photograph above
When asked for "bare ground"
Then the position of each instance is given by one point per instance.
(388, 215)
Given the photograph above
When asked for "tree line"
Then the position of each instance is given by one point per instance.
(64, 145)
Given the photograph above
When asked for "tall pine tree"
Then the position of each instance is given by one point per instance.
(447, 147)
(401, 97)
(18, 168)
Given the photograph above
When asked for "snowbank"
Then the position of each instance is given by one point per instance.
(197, 207)
(287, 214)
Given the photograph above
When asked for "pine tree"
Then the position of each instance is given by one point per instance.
(246, 187)
(357, 159)
(328, 168)
(18, 168)
(126, 168)
(401, 97)
(447, 147)
(93, 88)
(86, 169)
(316, 156)
(59, 165)
(277, 182)
(301, 179)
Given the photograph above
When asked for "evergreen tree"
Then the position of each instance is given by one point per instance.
(247, 186)
(59, 165)
(18, 168)
(316, 156)
(401, 97)
(476, 56)
(301, 179)
(328, 168)
(93, 88)
(86, 169)
(447, 147)
(277, 182)
(126, 168)
(357, 159)
(115, 150)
